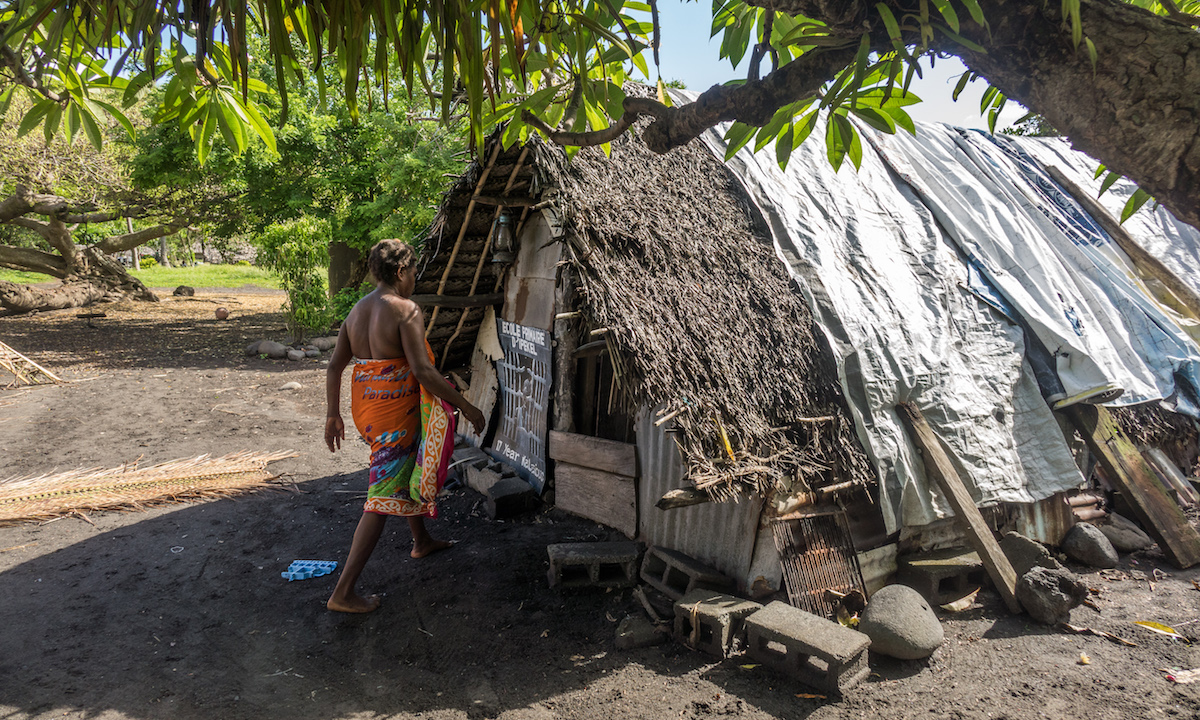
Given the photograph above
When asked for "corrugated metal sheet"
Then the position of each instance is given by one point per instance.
(720, 534)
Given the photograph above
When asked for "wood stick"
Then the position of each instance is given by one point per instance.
(1143, 261)
(941, 470)
(1125, 467)
(450, 301)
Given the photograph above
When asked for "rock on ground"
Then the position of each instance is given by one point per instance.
(295, 354)
(636, 631)
(901, 624)
(272, 349)
(1025, 554)
(1124, 534)
(291, 386)
(1049, 595)
(253, 348)
(1086, 544)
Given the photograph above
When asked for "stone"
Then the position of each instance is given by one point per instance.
(294, 354)
(324, 343)
(1025, 554)
(293, 385)
(221, 313)
(272, 349)
(314, 353)
(252, 348)
(635, 631)
(1124, 534)
(1086, 544)
(1048, 595)
(184, 291)
(510, 496)
(901, 624)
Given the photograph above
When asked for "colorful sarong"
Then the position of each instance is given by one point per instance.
(411, 434)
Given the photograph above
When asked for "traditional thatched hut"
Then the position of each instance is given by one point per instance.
(669, 313)
(643, 325)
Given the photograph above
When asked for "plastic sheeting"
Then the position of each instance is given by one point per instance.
(1068, 281)
(890, 290)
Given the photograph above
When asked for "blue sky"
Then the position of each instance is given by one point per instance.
(687, 54)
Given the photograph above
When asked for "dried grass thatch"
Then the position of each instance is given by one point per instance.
(702, 318)
(1152, 425)
(131, 488)
(674, 261)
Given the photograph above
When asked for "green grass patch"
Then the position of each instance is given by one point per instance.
(200, 276)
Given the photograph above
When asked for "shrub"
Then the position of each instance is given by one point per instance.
(146, 263)
(243, 263)
(298, 251)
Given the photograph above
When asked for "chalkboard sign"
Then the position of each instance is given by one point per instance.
(524, 374)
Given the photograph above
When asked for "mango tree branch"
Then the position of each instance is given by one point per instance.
(128, 241)
(580, 139)
(32, 260)
(1178, 15)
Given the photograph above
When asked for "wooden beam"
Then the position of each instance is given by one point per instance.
(450, 301)
(588, 349)
(939, 469)
(507, 201)
(1143, 261)
(1125, 467)
(566, 339)
(593, 452)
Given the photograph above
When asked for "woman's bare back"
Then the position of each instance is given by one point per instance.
(373, 326)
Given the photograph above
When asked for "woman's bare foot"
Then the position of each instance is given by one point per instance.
(354, 604)
(429, 547)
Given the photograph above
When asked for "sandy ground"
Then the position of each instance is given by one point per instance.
(180, 612)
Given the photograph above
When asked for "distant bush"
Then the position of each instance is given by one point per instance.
(147, 262)
(297, 251)
(243, 263)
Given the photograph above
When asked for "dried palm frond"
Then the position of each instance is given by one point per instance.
(132, 488)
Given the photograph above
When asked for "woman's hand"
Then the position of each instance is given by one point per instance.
(475, 416)
(335, 432)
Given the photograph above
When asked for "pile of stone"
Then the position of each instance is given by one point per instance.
(279, 351)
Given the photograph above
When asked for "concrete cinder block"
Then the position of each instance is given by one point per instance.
(481, 479)
(510, 496)
(709, 621)
(811, 649)
(942, 576)
(675, 574)
(597, 564)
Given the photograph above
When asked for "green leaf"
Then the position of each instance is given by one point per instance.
(1135, 203)
(879, 120)
(804, 127)
(783, 146)
(889, 21)
(72, 123)
(206, 131)
(90, 128)
(1109, 179)
(5, 99)
(136, 83)
(736, 138)
(963, 79)
(850, 139)
(1091, 51)
(977, 13)
(35, 115)
(948, 14)
(834, 147)
(1099, 171)
(259, 124)
(119, 117)
(50, 127)
(968, 44)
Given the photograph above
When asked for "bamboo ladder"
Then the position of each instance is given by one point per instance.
(23, 369)
(462, 232)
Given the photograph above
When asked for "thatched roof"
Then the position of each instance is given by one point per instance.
(672, 258)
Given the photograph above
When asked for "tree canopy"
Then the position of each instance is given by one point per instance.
(1118, 78)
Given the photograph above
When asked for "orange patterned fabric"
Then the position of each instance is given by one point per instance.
(411, 434)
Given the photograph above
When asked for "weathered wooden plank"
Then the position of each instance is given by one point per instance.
(451, 301)
(939, 468)
(607, 498)
(596, 453)
(1125, 467)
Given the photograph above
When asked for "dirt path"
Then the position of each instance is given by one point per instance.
(179, 612)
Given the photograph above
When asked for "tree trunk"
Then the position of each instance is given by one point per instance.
(342, 262)
(101, 279)
(1138, 110)
(162, 253)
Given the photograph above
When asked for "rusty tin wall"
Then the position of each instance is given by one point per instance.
(720, 534)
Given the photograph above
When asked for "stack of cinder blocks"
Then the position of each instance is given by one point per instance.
(599, 564)
(507, 495)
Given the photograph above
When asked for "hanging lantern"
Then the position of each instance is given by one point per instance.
(503, 247)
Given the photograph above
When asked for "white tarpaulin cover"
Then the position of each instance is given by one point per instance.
(889, 290)
(931, 267)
